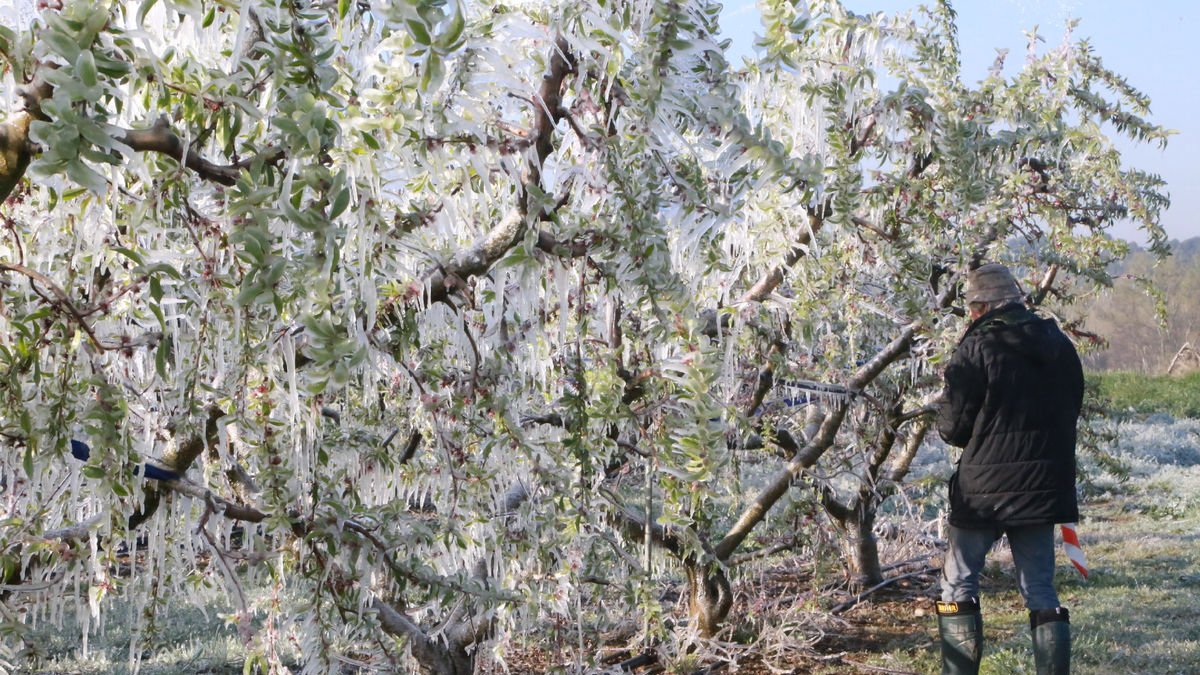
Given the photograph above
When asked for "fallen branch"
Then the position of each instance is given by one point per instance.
(875, 669)
(842, 607)
(767, 552)
(905, 563)
(638, 661)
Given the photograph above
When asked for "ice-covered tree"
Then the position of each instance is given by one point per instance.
(454, 309)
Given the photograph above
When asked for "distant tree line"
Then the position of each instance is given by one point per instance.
(1151, 310)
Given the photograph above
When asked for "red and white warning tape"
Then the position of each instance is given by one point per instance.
(1072, 548)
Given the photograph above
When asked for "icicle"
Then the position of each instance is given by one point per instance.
(562, 276)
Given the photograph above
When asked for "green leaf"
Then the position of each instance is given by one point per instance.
(94, 22)
(435, 70)
(419, 32)
(27, 461)
(7, 38)
(84, 175)
(449, 40)
(112, 67)
(143, 10)
(343, 8)
(340, 203)
(162, 268)
(99, 156)
(62, 45)
(158, 314)
(93, 471)
(209, 17)
(161, 354)
(517, 256)
(130, 253)
(256, 243)
(256, 663)
(250, 291)
(85, 68)
(275, 272)
(94, 134)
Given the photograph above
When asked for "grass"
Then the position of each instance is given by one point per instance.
(1178, 396)
(182, 638)
(1136, 614)
(186, 641)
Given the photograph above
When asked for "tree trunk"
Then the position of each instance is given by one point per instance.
(434, 656)
(709, 597)
(463, 662)
(437, 658)
(863, 546)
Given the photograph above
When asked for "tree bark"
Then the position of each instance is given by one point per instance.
(434, 658)
(862, 547)
(710, 597)
(862, 544)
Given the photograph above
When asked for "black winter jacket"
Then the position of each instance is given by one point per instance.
(1014, 388)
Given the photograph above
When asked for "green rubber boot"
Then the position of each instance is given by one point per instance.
(960, 625)
(1051, 640)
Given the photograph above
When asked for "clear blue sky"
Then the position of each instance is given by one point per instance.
(1155, 44)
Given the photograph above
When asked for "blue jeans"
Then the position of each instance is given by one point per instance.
(1033, 553)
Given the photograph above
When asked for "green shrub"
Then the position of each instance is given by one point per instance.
(1146, 394)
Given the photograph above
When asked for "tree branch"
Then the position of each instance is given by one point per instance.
(16, 150)
(572, 249)
(463, 628)
(63, 300)
(1039, 293)
(479, 257)
(841, 512)
(838, 609)
(902, 463)
(424, 650)
(547, 113)
(820, 442)
(186, 453)
(771, 280)
(221, 506)
(767, 552)
(159, 138)
(179, 461)
(812, 451)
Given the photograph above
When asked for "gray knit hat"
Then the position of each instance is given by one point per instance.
(991, 283)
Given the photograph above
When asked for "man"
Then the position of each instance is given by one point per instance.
(1013, 392)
